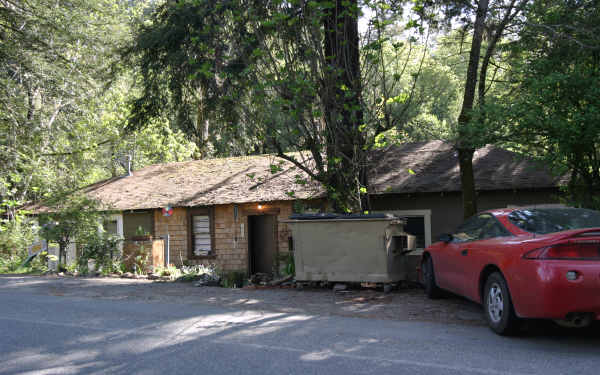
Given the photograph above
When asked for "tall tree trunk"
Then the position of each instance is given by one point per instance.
(341, 94)
(464, 147)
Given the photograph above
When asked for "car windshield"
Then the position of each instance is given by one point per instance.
(550, 220)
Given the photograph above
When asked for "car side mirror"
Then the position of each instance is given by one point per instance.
(445, 237)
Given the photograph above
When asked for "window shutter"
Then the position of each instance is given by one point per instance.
(201, 235)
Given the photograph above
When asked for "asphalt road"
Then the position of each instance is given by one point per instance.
(41, 334)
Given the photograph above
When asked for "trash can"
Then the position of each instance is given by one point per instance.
(350, 248)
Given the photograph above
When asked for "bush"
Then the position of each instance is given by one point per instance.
(73, 218)
(104, 249)
(15, 237)
(196, 272)
(233, 279)
(137, 259)
(13, 263)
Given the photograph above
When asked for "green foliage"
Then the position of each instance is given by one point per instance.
(73, 217)
(254, 76)
(52, 62)
(103, 248)
(16, 263)
(554, 110)
(16, 234)
(141, 261)
(140, 231)
(233, 279)
(138, 261)
(206, 273)
(289, 267)
(63, 106)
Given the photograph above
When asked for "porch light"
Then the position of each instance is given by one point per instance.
(260, 206)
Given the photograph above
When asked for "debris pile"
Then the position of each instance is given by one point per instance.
(263, 280)
(208, 280)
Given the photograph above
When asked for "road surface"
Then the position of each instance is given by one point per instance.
(49, 334)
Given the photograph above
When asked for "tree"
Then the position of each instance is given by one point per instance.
(553, 110)
(70, 217)
(62, 111)
(484, 17)
(52, 57)
(283, 75)
(413, 95)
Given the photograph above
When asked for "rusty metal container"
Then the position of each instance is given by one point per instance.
(340, 248)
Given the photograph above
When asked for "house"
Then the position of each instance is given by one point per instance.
(227, 211)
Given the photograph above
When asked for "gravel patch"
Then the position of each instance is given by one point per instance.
(402, 304)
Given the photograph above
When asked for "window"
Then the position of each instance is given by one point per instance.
(418, 223)
(201, 232)
(415, 225)
(551, 220)
(479, 227)
(133, 220)
(113, 225)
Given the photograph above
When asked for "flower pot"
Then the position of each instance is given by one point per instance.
(145, 237)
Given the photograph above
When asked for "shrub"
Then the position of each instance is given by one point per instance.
(16, 235)
(104, 249)
(233, 279)
(73, 218)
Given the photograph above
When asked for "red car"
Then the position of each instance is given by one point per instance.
(522, 263)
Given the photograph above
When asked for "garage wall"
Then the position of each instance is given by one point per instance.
(446, 208)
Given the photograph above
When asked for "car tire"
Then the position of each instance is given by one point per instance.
(497, 306)
(431, 289)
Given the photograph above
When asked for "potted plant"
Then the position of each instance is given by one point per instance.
(141, 235)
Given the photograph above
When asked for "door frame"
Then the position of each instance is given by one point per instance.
(273, 212)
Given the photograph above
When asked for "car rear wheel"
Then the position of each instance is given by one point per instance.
(431, 289)
(499, 311)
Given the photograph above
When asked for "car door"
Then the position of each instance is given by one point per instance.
(449, 267)
(475, 255)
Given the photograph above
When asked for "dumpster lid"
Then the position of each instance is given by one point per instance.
(332, 216)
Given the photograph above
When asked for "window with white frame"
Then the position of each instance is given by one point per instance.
(418, 223)
(113, 225)
(201, 232)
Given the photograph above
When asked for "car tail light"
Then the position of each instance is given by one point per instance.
(581, 251)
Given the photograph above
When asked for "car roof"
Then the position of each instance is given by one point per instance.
(508, 210)
(500, 211)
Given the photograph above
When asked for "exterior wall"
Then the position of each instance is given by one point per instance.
(152, 249)
(177, 227)
(446, 208)
(230, 233)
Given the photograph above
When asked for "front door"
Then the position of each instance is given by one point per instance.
(262, 233)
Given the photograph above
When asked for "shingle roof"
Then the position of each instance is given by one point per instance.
(250, 179)
(435, 167)
(206, 182)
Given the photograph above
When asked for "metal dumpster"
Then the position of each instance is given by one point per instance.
(350, 248)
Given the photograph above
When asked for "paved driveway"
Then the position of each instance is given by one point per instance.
(60, 333)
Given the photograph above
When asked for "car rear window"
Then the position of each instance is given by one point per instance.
(550, 220)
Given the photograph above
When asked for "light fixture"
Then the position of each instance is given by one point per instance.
(260, 206)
